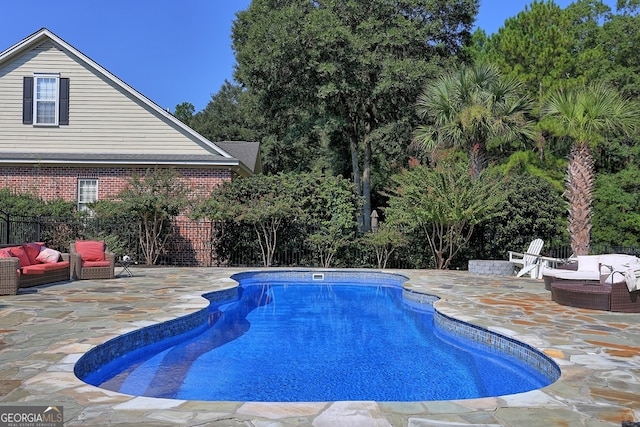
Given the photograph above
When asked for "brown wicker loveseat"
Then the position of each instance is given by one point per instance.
(31, 264)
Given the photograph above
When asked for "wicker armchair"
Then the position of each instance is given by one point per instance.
(90, 259)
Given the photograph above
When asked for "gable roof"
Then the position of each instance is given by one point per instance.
(247, 152)
(213, 154)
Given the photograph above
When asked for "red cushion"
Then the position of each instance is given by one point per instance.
(90, 250)
(19, 252)
(54, 265)
(4, 253)
(32, 250)
(34, 269)
(95, 264)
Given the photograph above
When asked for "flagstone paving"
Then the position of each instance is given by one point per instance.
(45, 330)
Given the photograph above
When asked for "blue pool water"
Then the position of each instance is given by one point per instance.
(317, 341)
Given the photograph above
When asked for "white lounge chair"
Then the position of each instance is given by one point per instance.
(595, 268)
(528, 261)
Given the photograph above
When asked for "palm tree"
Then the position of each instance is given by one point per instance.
(469, 107)
(587, 115)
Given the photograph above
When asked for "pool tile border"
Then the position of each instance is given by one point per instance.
(307, 276)
(500, 344)
(492, 340)
(117, 347)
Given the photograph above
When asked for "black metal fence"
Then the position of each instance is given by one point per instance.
(205, 243)
(197, 243)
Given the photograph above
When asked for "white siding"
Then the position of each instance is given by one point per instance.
(103, 118)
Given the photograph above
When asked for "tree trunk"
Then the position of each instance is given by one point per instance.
(579, 193)
(477, 159)
(355, 167)
(366, 185)
(362, 183)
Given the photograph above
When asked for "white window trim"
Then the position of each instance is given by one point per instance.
(36, 77)
(82, 204)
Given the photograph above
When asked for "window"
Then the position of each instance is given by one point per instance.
(45, 100)
(45, 104)
(87, 193)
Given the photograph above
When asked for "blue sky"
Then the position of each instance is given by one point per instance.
(172, 51)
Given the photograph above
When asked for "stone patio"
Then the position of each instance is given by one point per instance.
(44, 330)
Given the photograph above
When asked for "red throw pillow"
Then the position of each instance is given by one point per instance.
(90, 250)
(32, 250)
(18, 252)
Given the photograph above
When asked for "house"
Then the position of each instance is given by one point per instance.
(70, 129)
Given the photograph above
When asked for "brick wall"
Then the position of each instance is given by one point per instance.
(51, 183)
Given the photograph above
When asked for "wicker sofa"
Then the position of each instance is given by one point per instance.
(31, 264)
(594, 282)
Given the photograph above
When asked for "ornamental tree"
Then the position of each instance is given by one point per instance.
(322, 207)
(153, 200)
(446, 202)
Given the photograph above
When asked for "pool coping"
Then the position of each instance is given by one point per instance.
(597, 352)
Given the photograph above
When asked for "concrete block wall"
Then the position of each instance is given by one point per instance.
(491, 267)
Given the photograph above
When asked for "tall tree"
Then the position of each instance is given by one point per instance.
(620, 38)
(184, 112)
(228, 116)
(534, 47)
(616, 219)
(586, 115)
(546, 46)
(472, 106)
(349, 69)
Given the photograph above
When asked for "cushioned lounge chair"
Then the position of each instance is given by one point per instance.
(600, 282)
(90, 259)
(591, 268)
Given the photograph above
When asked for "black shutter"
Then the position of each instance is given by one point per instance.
(27, 101)
(63, 115)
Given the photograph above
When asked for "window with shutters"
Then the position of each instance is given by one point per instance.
(46, 100)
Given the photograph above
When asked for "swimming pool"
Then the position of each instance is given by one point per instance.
(316, 336)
